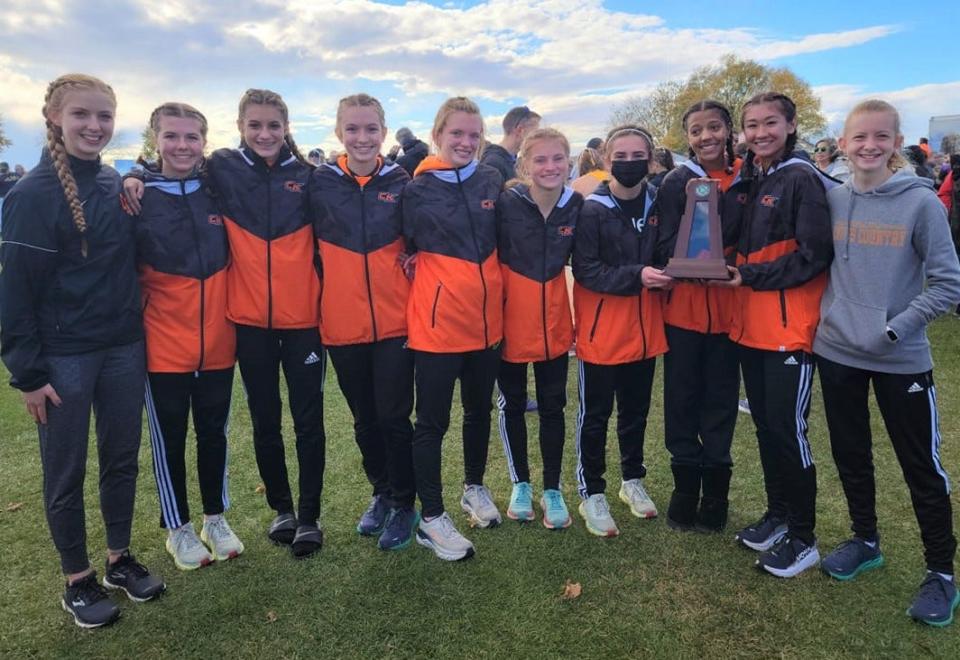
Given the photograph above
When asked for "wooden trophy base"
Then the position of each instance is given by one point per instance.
(697, 269)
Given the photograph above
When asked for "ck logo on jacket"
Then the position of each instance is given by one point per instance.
(293, 186)
(769, 201)
(388, 197)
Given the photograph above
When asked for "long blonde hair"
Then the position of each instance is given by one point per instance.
(53, 104)
(897, 161)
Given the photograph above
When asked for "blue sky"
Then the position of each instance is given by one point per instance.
(571, 60)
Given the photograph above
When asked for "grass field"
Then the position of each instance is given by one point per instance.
(650, 592)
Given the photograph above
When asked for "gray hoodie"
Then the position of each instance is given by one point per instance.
(888, 243)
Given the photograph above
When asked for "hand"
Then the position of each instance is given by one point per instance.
(132, 194)
(653, 278)
(734, 281)
(36, 402)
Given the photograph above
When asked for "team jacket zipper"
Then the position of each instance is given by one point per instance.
(476, 247)
(203, 271)
(366, 261)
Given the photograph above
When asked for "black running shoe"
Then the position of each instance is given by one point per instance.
(762, 535)
(375, 517)
(89, 603)
(133, 578)
(789, 557)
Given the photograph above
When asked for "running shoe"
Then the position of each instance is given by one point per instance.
(788, 557)
(442, 537)
(133, 578)
(935, 601)
(89, 603)
(555, 513)
(634, 495)
(478, 505)
(851, 558)
(596, 514)
(399, 529)
(186, 549)
(521, 502)
(374, 518)
(221, 540)
(761, 535)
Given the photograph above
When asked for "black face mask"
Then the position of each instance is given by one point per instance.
(629, 173)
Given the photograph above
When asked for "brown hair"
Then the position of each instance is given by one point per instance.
(789, 111)
(623, 130)
(589, 161)
(724, 112)
(53, 104)
(539, 135)
(897, 161)
(517, 116)
(173, 109)
(266, 97)
(450, 106)
(360, 101)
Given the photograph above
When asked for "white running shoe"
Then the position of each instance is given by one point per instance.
(443, 538)
(221, 540)
(477, 502)
(186, 549)
(634, 495)
(596, 514)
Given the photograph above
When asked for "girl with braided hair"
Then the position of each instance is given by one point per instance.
(273, 293)
(182, 256)
(72, 338)
(700, 372)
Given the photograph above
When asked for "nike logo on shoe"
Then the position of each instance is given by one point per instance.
(312, 358)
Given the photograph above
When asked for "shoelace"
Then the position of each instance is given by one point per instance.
(89, 590)
(553, 499)
(129, 566)
(483, 496)
(447, 530)
(601, 508)
(932, 587)
(848, 548)
(218, 528)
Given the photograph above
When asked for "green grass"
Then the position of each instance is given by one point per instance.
(650, 592)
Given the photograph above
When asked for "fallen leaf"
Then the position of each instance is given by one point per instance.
(14, 506)
(260, 489)
(271, 616)
(571, 590)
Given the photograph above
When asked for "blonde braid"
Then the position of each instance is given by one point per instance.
(52, 103)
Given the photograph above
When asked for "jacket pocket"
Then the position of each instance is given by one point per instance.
(783, 308)
(596, 319)
(855, 325)
(436, 301)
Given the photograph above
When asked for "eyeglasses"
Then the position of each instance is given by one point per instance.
(820, 150)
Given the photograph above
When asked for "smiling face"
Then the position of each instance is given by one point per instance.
(869, 140)
(459, 138)
(765, 130)
(548, 163)
(180, 142)
(362, 135)
(262, 127)
(707, 135)
(86, 118)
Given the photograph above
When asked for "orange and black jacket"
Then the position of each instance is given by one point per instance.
(358, 222)
(272, 279)
(182, 255)
(784, 251)
(617, 319)
(533, 253)
(449, 219)
(689, 305)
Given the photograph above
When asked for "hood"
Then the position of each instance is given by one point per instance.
(901, 181)
(444, 170)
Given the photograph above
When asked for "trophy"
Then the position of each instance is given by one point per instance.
(699, 251)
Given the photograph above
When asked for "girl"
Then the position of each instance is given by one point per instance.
(619, 326)
(592, 172)
(454, 317)
(701, 375)
(273, 292)
(894, 273)
(537, 220)
(359, 227)
(783, 251)
(182, 251)
(72, 338)
(830, 160)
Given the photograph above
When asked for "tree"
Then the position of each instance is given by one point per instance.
(149, 149)
(950, 144)
(4, 141)
(732, 82)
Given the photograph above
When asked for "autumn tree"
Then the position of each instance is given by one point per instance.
(4, 141)
(732, 82)
(149, 149)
